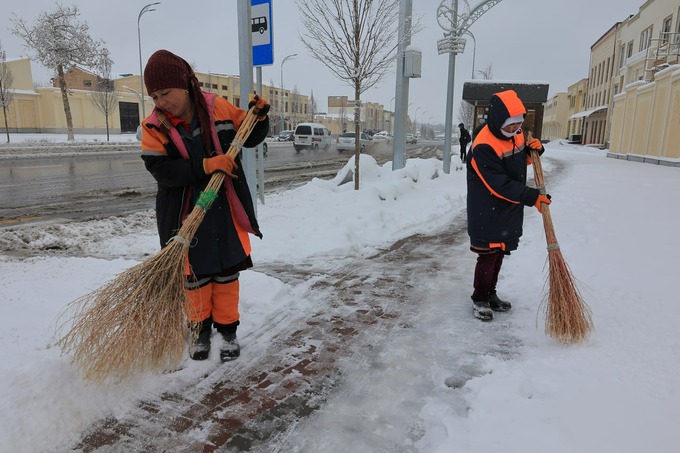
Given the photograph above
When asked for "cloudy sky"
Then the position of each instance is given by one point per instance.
(551, 39)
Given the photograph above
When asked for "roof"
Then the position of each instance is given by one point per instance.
(587, 113)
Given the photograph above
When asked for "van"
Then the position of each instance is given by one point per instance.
(312, 136)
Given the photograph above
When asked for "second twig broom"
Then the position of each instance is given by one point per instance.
(567, 317)
(137, 322)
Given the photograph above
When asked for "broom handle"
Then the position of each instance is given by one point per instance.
(550, 236)
(242, 134)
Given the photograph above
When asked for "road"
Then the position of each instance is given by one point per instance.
(67, 183)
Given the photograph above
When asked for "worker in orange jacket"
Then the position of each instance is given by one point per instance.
(497, 193)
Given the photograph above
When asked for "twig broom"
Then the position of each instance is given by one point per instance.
(567, 317)
(137, 322)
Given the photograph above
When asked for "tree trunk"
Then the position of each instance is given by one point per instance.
(357, 138)
(4, 112)
(357, 96)
(64, 98)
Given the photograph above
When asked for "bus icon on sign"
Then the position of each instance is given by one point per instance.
(258, 24)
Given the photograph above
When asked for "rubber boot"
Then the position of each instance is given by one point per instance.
(231, 349)
(200, 349)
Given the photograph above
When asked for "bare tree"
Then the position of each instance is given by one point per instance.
(105, 97)
(6, 91)
(312, 107)
(466, 111)
(356, 40)
(60, 41)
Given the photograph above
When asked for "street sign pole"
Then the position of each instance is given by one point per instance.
(261, 30)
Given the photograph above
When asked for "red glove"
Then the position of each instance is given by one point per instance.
(540, 200)
(261, 106)
(224, 163)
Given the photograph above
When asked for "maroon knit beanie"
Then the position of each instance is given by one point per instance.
(166, 70)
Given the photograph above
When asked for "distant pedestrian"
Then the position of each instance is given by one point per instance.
(463, 139)
(497, 194)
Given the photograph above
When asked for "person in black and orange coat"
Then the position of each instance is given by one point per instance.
(184, 141)
(497, 193)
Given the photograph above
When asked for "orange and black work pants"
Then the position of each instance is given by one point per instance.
(215, 296)
(486, 273)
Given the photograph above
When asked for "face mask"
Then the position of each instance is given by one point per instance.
(511, 134)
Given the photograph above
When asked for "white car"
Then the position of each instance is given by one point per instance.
(345, 142)
(382, 136)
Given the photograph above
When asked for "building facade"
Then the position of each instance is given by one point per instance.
(40, 109)
(555, 117)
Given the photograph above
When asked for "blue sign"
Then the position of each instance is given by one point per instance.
(262, 33)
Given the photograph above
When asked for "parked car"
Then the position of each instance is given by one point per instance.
(410, 138)
(345, 142)
(312, 136)
(286, 136)
(382, 136)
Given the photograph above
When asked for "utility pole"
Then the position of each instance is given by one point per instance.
(245, 60)
(401, 95)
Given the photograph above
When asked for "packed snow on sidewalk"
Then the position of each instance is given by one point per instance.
(617, 223)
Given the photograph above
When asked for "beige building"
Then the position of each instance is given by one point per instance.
(645, 117)
(372, 114)
(576, 103)
(40, 109)
(555, 117)
(628, 103)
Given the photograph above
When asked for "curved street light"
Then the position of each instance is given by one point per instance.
(474, 50)
(147, 8)
(293, 55)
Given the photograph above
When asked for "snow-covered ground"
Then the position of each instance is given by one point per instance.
(617, 223)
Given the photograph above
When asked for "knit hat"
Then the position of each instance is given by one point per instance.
(166, 70)
(513, 120)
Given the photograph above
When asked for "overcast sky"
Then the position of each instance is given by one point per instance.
(550, 38)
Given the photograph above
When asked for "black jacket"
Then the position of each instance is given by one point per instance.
(216, 246)
(496, 180)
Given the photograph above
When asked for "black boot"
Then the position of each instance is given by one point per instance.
(200, 349)
(481, 310)
(230, 350)
(497, 304)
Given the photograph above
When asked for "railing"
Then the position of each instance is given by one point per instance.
(661, 52)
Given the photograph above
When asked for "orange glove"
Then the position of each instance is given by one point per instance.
(261, 106)
(540, 200)
(535, 144)
(224, 163)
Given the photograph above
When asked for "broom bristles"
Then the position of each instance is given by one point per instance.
(568, 319)
(137, 322)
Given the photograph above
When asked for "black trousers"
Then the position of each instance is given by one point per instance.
(486, 274)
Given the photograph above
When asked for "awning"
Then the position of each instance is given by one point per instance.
(587, 113)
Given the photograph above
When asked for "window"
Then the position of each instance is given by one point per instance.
(666, 30)
(622, 56)
(629, 51)
(214, 85)
(645, 36)
(87, 83)
(225, 88)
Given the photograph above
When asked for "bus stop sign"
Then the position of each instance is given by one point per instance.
(261, 29)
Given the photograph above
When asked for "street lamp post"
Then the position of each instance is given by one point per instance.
(415, 122)
(282, 62)
(474, 50)
(149, 7)
(454, 27)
